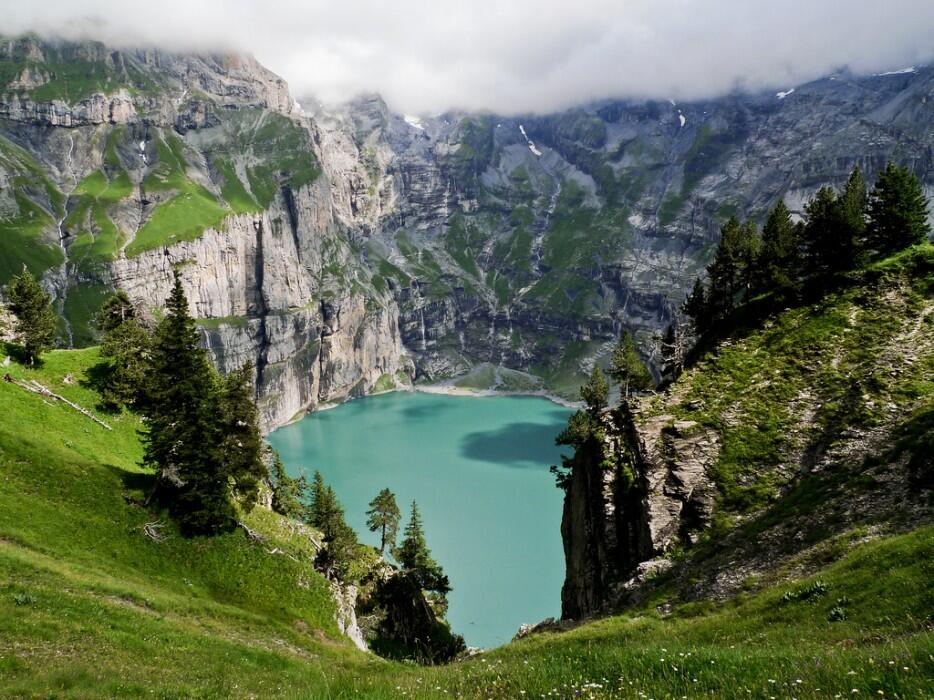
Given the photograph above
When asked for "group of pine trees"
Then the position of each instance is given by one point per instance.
(316, 504)
(586, 428)
(201, 432)
(793, 260)
(202, 436)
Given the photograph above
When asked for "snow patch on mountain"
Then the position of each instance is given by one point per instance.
(413, 121)
(900, 71)
(529, 141)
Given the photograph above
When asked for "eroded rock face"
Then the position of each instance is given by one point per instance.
(643, 491)
(442, 241)
(253, 288)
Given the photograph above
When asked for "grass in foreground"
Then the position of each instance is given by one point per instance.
(90, 608)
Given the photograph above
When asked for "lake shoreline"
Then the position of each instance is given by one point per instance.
(443, 389)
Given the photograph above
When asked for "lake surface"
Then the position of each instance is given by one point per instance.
(478, 468)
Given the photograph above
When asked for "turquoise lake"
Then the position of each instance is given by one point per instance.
(478, 468)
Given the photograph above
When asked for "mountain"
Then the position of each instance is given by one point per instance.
(344, 248)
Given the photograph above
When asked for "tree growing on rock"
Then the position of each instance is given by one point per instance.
(595, 393)
(35, 319)
(627, 369)
(415, 557)
(673, 348)
(340, 541)
(383, 517)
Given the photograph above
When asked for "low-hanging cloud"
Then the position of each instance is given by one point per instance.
(513, 56)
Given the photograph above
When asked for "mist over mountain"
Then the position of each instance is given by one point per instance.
(516, 57)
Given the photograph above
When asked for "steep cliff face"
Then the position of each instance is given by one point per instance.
(437, 242)
(192, 163)
(770, 456)
(530, 241)
(644, 490)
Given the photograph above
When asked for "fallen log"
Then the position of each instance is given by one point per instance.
(36, 388)
(251, 533)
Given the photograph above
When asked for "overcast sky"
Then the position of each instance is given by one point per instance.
(514, 55)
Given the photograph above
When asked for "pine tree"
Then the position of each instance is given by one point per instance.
(595, 393)
(316, 500)
(732, 269)
(697, 308)
(241, 445)
(627, 369)
(854, 203)
(182, 424)
(780, 259)
(833, 234)
(35, 319)
(415, 557)
(116, 310)
(287, 492)
(338, 554)
(126, 348)
(673, 350)
(383, 517)
(898, 211)
(750, 246)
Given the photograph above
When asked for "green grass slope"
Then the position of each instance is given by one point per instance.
(91, 608)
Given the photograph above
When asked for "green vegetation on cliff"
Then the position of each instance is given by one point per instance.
(90, 607)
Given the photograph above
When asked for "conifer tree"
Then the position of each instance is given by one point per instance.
(732, 268)
(595, 393)
(627, 369)
(116, 310)
(241, 445)
(750, 246)
(697, 308)
(832, 233)
(327, 515)
(35, 319)
(416, 558)
(854, 203)
(779, 260)
(126, 348)
(898, 211)
(673, 351)
(287, 492)
(182, 429)
(383, 517)
(316, 500)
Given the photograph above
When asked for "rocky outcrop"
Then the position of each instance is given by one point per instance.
(117, 108)
(346, 599)
(253, 287)
(635, 496)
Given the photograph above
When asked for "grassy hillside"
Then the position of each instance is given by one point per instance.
(91, 608)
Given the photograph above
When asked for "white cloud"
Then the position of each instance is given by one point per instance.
(515, 56)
